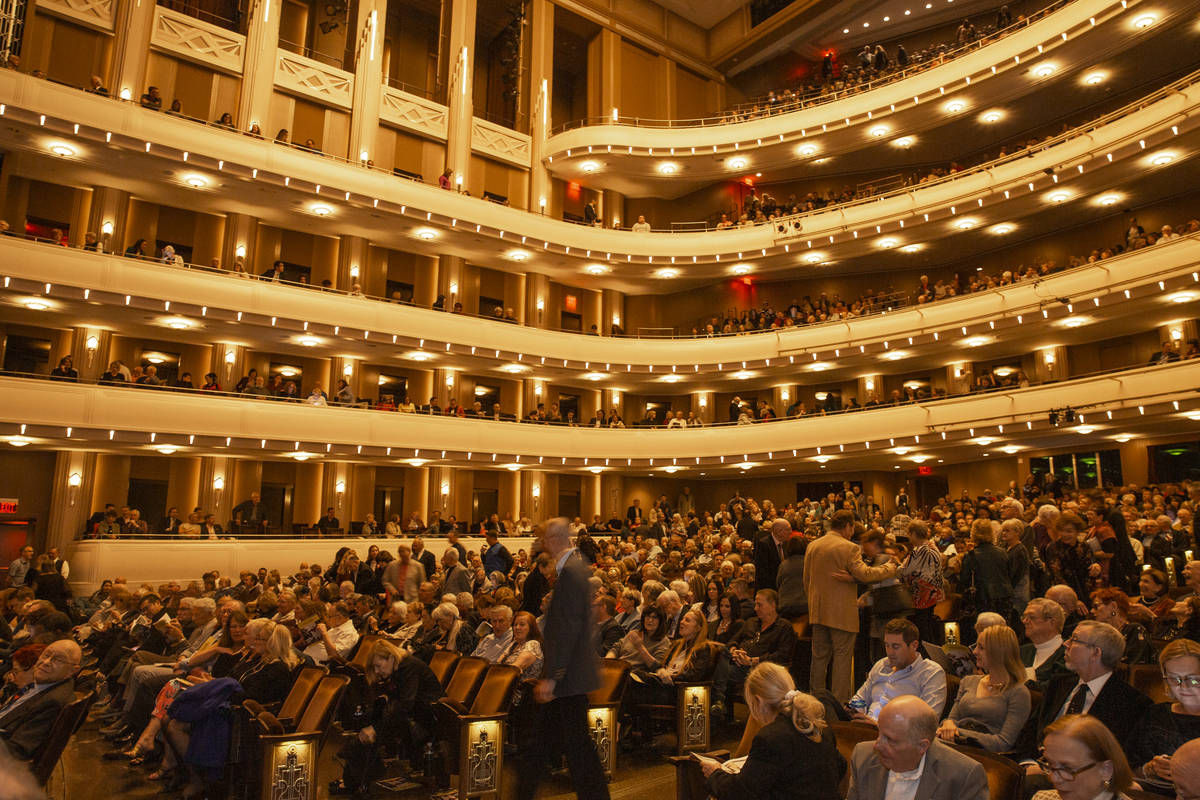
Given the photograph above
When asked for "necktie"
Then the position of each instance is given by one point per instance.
(13, 700)
(1077, 700)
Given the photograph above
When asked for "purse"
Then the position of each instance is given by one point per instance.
(891, 601)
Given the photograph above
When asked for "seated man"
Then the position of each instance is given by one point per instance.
(902, 671)
(337, 638)
(28, 716)
(1044, 656)
(765, 637)
(607, 630)
(496, 644)
(908, 751)
(1185, 770)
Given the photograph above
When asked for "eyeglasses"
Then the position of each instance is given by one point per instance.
(1178, 681)
(1073, 640)
(1064, 773)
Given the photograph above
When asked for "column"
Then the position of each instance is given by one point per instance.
(80, 216)
(666, 78)
(960, 377)
(74, 475)
(615, 398)
(241, 235)
(702, 407)
(510, 495)
(541, 89)
(416, 492)
(183, 482)
(352, 263)
(534, 495)
(441, 491)
(612, 304)
(590, 497)
(131, 47)
(449, 279)
(1050, 364)
(1178, 333)
(362, 497)
(337, 487)
(106, 217)
(309, 481)
(612, 209)
(781, 398)
(228, 362)
(445, 385)
(537, 294)
(609, 73)
(460, 105)
(346, 369)
(368, 79)
(532, 392)
(426, 281)
(89, 351)
(258, 73)
(247, 478)
(216, 479)
(869, 386)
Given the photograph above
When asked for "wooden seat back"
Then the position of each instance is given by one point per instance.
(468, 672)
(495, 690)
(70, 717)
(614, 673)
(442, 664)
(322, 704)
(1148, 679)
(362, 655)
(300, 693)
(1004, 776)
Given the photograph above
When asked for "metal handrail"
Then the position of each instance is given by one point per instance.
(820, 98)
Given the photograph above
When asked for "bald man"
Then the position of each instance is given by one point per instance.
(768, 554)
(1185, 770)
(26, 719)
(908, 751)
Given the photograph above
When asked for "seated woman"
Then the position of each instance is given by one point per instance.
(1152, 592)
(1162, 729)
(992, 707)
(263, 674)
(793, 755)
(448, 633)
(1112, 606)
(525, 653)
(1183, 621)
(1083, 760)
(647, 646)
(728, 625)
(401, 691)
(690, 659)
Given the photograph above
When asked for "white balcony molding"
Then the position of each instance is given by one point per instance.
(503, 144)
(196, 40)
(97, 14)
(310, 78)
(1138, 271)
(173, 417)
(1073, 19)
(1174, 106)
(412, 113)
(159, 561)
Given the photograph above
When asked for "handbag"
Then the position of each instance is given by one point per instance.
(891, 601)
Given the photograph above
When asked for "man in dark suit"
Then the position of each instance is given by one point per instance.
(170, 524)
(768, 554)
(211, 529)
(1092, 652)
(608, 630)
(634, 513)
(27, 717)
(908, 739)
(427, 559)
(1044, 655)
(568, 675)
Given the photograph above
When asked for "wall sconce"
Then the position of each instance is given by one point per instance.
(91, 345)
(869, 384)
(616, 116)
(616, 397)
(339, 489)
(218, 486)
(240, 251)
(126, 93)
(1176, 334)
(537, 494)
(1048, 357)
(106, 227)
(458, 181)
(960, 372)
(702, 400)
(74, 481)
(354, 270)
(952, 633)
(542, 203)
(541, 304)
(784, 394)
(348, 370)
(230, 357)
(449, 380)
(364, 156)
(537, 390)
(453, 288)
(1187, 554)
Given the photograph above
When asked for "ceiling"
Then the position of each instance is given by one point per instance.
(704, 13)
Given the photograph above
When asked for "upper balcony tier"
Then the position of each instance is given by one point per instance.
(1057, 57)
(1111, 406)
(77, 288)
(100, 142)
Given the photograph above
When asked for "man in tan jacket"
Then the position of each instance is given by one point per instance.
(832, 602)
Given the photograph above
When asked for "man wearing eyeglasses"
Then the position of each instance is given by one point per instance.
(1044, 656)
(1091, 654)
(27, 717)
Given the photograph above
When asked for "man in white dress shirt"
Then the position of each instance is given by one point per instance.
(496, 644)
(908, 762)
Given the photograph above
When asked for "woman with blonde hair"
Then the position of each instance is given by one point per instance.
(691, 659)
(1083, 760)
(1166, 726)
(993, 706)
(793, 755)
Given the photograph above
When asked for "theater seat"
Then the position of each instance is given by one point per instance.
(1005, 778)
(70, 717)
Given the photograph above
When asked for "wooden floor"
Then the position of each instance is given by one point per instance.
(644, 773)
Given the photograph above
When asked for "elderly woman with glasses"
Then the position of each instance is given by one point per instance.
(1084, 761)
(1166, 726)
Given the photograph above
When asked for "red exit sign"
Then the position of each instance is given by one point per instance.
(8, 505)
(924, 470)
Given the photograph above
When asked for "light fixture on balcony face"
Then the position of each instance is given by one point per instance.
(196, 181)
(62, 149)
(737, 162)
(955, 107)
(1044, 70)
(320, 209)
(666, 272)
(879, 131)
(589, 167)
(668, 168)
(991, 117)
(595, 269)
(428, 234)
(807, 150)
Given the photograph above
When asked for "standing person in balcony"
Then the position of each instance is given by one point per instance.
(444, 179)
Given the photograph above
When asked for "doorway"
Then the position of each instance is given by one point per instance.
(149, 497)
(484, 503)
(277, 502)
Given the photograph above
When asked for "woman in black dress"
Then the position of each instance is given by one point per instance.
(1166, 726)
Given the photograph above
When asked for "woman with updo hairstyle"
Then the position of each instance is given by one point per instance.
(1083, 761)
(1166, 726)
(793, 755)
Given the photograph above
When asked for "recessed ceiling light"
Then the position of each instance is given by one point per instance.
(196, 181)
(879, 130)
(983, 441)
(1010, 449)
(308, 341)
(518, 255)
(1122, 438)
(746, 465)
(966, 223)
(167, 449)
(740, 269)
(595, 269)
(820, 366)
(426, 233)
(955, 107)
(1044, 70)
(737, 162)
(822, 459)
(1074, 322)
(976, 341)
(300, 455)
(1095, 78)
(742, 375)
(903, 142)
(1110, 199)
(1059, 196)
(667, 272)
(1002, 228)
(672, 378)
(887, 243)
(419, 355)
(1145, 20)
(911, 248)
(1085, 429)
(19, 441)
(416, 462)
(807, 150)
(35, 304)
(60, 149)
(894, 355)
(1162, 159)
(918, 459)
(595, 376)
(1004, 372)
(668, 168)
(814, 258)
(589, 166)
(178, 323)
(514, 368)
(321, 210)
(1182, 297)
(290, 372)
(990, 117)
(900, 450)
